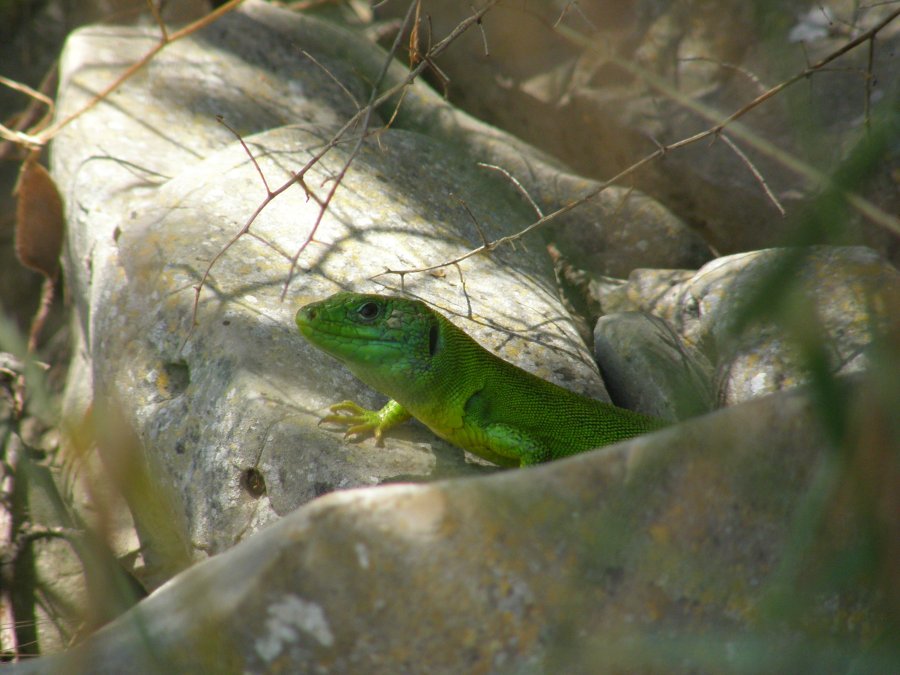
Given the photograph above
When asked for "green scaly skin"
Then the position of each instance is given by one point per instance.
(435, 372)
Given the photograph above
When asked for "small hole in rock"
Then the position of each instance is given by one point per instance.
(173, 379)
(253, 482)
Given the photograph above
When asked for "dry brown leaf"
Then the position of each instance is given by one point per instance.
(414, 54)
(39, 219)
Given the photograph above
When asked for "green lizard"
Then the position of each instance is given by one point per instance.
(435, 372)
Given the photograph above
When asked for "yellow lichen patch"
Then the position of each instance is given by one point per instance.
(162, 383)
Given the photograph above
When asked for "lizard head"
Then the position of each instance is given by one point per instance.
(383, 340)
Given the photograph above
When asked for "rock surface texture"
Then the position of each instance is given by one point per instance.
(156, 187)
(589, 564)
(683, 549)
(615, 81)
(834, 299)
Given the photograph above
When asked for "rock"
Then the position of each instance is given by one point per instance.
(763, 317)
(648, 367)
(679, 536)
(212, 430)
(646, 290)
(609, 561)
(642, 233)
(619, 229)
(643, 73)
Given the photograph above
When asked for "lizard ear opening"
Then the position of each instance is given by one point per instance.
(433, 336)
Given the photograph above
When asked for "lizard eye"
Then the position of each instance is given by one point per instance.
(369, 311)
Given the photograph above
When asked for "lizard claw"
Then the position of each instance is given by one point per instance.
(358, 420)
(361, 421)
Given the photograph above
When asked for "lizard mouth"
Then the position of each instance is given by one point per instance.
(333, 335)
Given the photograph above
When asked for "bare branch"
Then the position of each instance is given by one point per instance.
(728, 66)
(515, 181)
(484, 239)
(870, 80)
(366, 119)
(157, 16)
(165, 39)
(864, 206)
(25, 89)
(221, 120)
(332, 77)
(867, 35)
(480, 23)
(363, 116)
(755, 172)
(374, 102)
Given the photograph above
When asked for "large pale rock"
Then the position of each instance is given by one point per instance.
(675, 552)
(211, 428)
(616, 231)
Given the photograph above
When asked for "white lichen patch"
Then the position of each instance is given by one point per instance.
(287, 619)
(362, 555)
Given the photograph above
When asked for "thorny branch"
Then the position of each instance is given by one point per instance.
(863, 205)
(756, 172)
(801, 168)
(364, 116)
(41, 138)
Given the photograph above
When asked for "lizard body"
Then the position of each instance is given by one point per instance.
(435, 372)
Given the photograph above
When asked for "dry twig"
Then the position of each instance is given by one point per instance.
(361, 118)
(864, 206)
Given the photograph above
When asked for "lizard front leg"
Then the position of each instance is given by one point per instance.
(360, 421)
